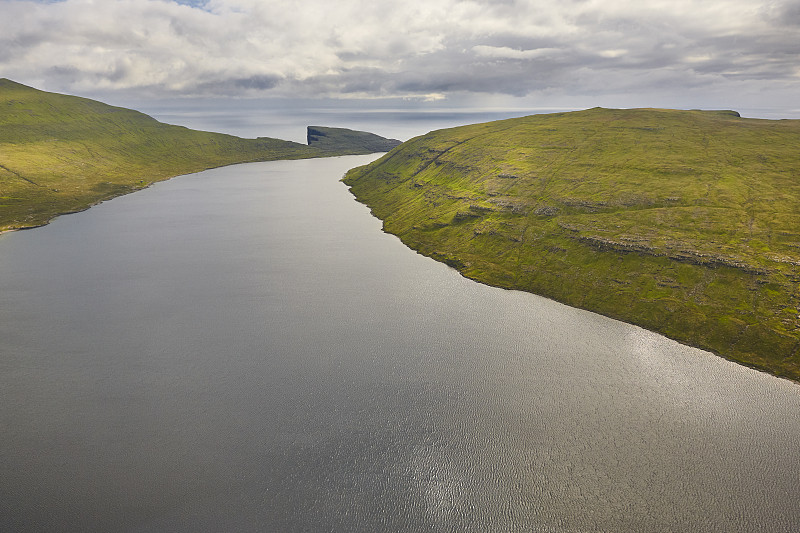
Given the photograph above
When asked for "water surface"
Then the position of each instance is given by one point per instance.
(243, 350)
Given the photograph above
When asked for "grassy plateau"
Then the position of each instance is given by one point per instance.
(683, 222)
(60, 153)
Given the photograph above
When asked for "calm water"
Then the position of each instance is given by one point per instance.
(288, 119)
(244, 350)
(397, 118)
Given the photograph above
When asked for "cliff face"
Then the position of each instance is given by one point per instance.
(343, 140)
(683, 222)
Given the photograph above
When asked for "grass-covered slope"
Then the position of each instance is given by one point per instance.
(683, 222)
(343, 140)
(61, 153)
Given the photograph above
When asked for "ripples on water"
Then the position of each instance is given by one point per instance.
(244, 350)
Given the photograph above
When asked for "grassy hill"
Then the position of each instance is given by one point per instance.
(683, 222)
(61, 153)
(344, 140)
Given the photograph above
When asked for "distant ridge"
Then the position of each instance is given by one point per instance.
(683, 222)
(345, 140)
(61, 153)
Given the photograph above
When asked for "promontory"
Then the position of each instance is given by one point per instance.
(686, 223)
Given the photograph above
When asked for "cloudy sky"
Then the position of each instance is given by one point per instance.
(571, 53)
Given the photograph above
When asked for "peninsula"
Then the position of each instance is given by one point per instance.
(60, 154)
(686, 223)
(343, 140)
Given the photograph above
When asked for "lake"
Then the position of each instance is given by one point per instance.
(243, 349)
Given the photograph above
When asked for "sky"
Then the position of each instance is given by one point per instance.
(503, 54)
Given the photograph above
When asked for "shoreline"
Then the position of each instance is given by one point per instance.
(752, 366)
(150, 184)
(658, 239)
(101, 152)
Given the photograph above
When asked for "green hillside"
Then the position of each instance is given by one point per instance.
(62, 153)
(683, 222)
(342, 140)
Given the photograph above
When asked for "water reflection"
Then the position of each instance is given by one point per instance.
(244, 350)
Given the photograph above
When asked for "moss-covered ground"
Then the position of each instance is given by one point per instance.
(683, 222)
(60, 153)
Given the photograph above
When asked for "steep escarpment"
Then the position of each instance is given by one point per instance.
(683, 222)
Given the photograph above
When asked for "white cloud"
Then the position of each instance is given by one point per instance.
(399, 48)
(612, 53)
